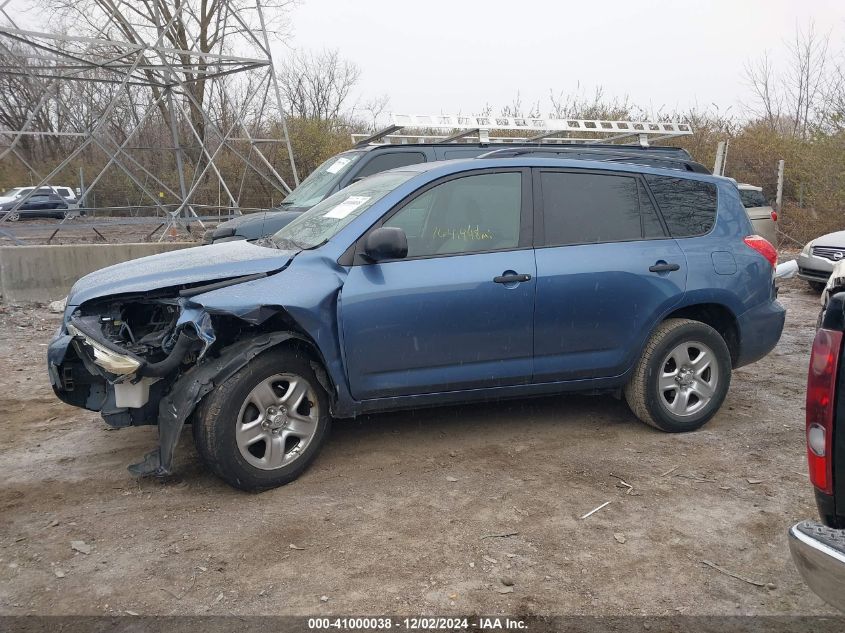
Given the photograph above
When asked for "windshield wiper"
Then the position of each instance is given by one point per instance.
(283, 243)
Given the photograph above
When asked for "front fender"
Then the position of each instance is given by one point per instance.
(307, 291)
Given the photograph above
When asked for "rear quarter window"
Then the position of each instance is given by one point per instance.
(688, 206)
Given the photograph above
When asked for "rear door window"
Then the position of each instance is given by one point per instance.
(588, 208)
(391, 160)
(688, 206)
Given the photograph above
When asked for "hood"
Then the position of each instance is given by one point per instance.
(176, 268)
(5, 199)
(244, 219)
(836, 239)
(255, 225)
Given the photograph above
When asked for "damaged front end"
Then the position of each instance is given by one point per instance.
(144, 341)
(134, 337)
(142, 361)
(121, 356)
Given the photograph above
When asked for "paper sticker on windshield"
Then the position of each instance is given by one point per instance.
(339, 164)
(346, 207)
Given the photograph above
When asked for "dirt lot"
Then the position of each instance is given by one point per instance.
(395, 515)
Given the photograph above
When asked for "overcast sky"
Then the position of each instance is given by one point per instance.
(449, 56)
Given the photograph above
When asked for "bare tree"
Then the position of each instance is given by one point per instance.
(760, 75)
(806, 76)
(834, 100)
(790, 102)
(375, 108)
(316, 86)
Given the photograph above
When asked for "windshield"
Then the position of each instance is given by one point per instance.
(322, 222)
(314, 188)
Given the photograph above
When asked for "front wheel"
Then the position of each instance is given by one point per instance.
(816, 286)
(263, 427)
(682, 377)
(13, 216)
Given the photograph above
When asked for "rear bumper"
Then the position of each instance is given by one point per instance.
(759, 331)
(819, 554)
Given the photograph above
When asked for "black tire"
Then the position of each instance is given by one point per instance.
(643, 392)
(217, 416)
(817, 286)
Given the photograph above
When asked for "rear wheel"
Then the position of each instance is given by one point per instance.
(682, 377)
(265, 425)
(817, 286)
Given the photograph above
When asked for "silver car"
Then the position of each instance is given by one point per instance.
(763, 217)
(816, 261)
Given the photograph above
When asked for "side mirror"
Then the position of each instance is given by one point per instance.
(387, 242)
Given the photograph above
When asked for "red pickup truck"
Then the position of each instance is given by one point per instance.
(818, 549)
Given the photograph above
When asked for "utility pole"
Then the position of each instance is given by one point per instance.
(720, 154)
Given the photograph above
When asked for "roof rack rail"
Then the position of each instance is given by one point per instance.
(537, 130)
(609, 154)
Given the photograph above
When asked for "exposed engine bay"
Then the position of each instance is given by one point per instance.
(145, 328)
(121, 349)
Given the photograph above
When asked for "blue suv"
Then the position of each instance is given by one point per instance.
(433, 284)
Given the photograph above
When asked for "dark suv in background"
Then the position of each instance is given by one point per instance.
(366, 159)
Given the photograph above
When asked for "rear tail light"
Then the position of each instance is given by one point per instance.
(763, 247)
(774, 216)
(821, 389)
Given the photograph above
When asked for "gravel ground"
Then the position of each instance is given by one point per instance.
(416, 512)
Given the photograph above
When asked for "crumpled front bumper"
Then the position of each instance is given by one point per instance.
(819, 554)
(56, 352)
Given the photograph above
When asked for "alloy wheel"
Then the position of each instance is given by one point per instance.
(689, 378)
(277, 421)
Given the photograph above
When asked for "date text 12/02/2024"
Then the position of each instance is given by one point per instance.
(417, 623)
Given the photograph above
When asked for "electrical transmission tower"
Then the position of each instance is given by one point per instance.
(182, 105)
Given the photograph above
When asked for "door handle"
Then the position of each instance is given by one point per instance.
(511, 279)
(663, 267)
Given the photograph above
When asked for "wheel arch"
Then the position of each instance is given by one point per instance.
(716, 315)
(299, 338)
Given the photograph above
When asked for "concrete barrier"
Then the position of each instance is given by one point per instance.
(39, 274)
